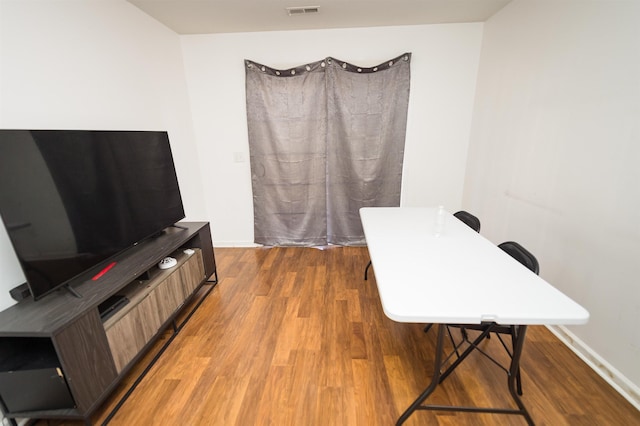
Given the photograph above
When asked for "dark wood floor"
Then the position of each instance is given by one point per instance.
(295, 336)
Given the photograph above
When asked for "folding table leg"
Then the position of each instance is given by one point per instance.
(467, 351)
(514, 380)
(434, 381)
(437, 378)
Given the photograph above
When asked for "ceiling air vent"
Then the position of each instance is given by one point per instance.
(302, 10)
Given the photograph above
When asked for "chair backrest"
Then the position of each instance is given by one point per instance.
(521, 254)
(470, 220)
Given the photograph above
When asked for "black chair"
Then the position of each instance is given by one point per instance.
(522, 255)
(470, 220)
(529, 261)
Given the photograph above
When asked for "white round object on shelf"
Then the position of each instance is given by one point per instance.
(167, 262)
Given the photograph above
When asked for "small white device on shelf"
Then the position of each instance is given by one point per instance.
(167, 262)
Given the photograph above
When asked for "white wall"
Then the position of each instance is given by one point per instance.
(75, 64)
(443, 74)
(554, 158)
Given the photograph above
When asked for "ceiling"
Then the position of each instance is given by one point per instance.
(228, 16)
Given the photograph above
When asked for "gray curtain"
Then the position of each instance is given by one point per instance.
(366, 124)
(325, 139)
(287, 120)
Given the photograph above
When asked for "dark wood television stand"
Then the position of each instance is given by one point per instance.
(59, 359)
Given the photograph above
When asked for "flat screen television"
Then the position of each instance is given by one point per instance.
(73, 199)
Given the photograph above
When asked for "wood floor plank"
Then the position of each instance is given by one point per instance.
(295, 336)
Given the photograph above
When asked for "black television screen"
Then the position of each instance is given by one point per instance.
(72, 199)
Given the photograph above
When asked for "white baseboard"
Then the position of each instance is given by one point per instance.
(616, 379)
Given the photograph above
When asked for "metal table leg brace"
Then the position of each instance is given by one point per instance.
(439, 377)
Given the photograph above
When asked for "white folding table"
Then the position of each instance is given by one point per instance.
(449, 274)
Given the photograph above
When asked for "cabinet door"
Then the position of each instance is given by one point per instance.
(192, 273)
(133, 331)
(168, 296)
